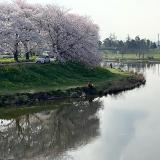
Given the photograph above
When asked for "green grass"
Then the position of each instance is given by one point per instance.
(150, 55)
(47, 77)
(11, 60)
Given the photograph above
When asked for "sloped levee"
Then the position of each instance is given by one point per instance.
(116, 86)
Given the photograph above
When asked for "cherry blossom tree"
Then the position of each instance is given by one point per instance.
(16, 29)
(9, 34)
(29, 36)
(69, 37)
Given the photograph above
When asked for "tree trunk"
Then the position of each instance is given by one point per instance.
(27, 55)
(16, 49)
(27, 51)
(16, 55)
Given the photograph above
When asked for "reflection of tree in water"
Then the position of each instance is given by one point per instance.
(50, 133)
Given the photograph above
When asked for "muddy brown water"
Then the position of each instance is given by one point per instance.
(117, 127)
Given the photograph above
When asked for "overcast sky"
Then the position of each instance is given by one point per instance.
(122, 17)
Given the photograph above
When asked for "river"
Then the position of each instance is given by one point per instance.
(125, 126)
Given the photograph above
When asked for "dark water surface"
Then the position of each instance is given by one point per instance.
(117, 127)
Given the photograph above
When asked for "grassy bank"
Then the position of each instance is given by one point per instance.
(150, 55)
(34, 83)
(35, 78)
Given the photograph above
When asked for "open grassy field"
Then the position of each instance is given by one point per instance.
(46, 77)
(150, 55)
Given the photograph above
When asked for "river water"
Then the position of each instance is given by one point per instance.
(117, 127)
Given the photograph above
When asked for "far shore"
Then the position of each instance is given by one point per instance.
(132, 60)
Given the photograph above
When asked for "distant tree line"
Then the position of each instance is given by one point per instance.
(130, 45)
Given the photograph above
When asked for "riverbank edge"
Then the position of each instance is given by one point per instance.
(132, 61)
(116, 86)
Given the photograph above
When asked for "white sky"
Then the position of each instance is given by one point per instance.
(122, 17)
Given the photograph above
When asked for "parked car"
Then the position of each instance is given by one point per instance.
(43, 59)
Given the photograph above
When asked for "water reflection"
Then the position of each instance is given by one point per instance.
(129, 123)
(48, 134)
(127, 128)
(136, 66)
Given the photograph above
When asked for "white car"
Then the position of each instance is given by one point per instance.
(43, 59)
